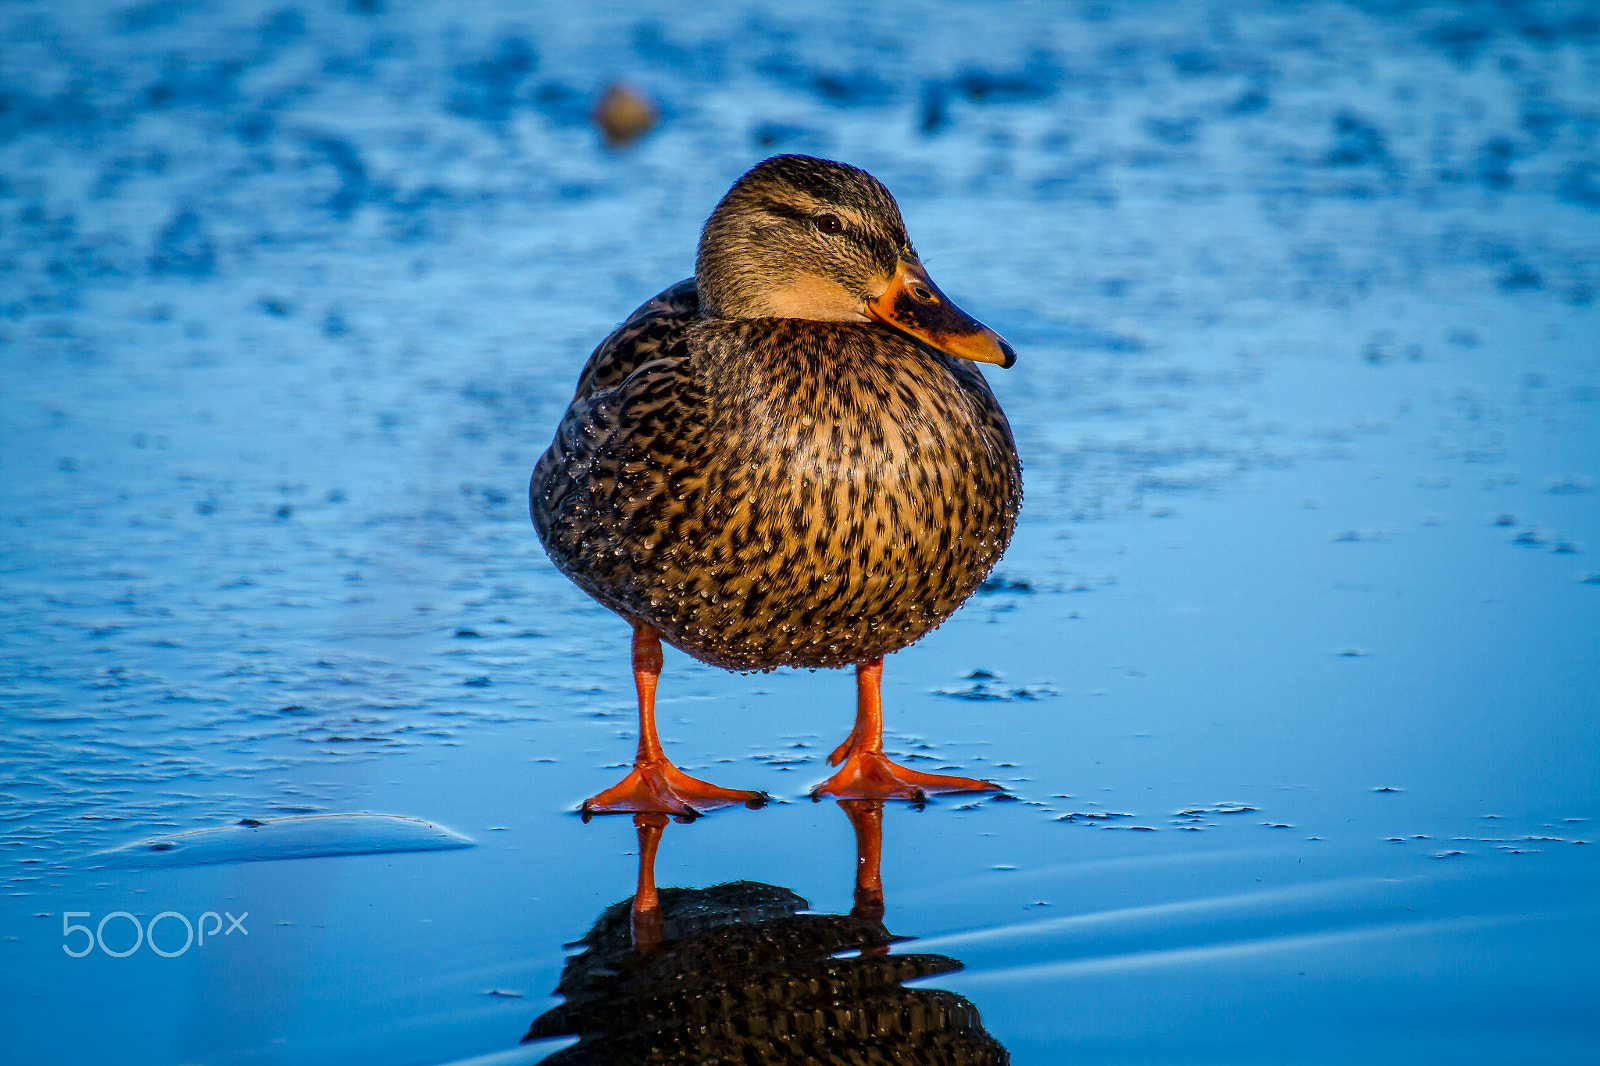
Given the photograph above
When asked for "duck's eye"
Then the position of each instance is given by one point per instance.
(828, 222)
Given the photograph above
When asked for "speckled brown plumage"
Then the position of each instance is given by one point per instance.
(782, 461)
(777, 492)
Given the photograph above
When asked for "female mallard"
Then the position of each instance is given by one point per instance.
(788, 460)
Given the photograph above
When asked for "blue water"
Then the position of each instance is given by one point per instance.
(1290, 670)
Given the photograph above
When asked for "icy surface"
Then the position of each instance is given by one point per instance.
(299, 836)
(1291, 668)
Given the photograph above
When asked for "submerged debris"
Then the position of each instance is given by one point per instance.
(624, 114)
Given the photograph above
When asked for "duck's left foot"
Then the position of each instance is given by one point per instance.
(656, 786)
(873, 775)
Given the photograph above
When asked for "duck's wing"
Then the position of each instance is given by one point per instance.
(648, 332)
(637, 419)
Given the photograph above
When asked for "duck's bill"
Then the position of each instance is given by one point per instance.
(913, 304)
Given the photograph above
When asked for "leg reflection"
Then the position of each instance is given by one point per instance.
(866, 817)
(645, 924)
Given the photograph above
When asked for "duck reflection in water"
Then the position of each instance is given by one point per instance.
(736, 973)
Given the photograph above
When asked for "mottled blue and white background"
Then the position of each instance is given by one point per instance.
(291, 298)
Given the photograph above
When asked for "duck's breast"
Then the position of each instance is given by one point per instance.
(855, 489)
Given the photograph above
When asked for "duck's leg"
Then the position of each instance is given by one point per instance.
(654, 785)
(867, 772)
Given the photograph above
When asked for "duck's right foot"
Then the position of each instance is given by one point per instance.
(868, 774)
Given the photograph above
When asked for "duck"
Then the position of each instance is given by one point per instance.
(791, 459)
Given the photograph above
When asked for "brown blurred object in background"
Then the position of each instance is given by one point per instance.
(624, 115)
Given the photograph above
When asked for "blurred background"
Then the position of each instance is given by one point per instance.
(291, 300)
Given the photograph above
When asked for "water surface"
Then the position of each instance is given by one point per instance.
(1290, 672)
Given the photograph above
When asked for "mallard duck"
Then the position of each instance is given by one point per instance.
(790, 459)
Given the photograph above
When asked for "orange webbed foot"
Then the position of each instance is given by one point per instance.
(656, 786)
(873, 775)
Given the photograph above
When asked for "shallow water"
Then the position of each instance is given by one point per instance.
(1290, 670)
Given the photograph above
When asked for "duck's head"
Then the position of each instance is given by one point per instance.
(798, 237)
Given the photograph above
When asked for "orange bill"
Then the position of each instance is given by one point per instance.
(913, 304)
